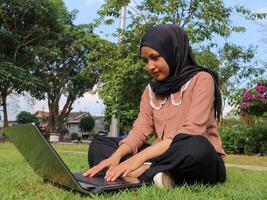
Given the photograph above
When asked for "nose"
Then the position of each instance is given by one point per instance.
(150, 66)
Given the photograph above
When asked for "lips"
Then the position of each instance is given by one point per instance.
(156, 73)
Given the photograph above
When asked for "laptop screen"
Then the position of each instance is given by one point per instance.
(40, 155)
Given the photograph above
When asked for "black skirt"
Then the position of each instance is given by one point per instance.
(189, 159)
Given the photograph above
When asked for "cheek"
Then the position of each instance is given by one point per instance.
(165, 68)
(147, 69)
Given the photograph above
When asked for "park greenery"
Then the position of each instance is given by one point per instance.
(87, 124)
(252, 100)
(44, 53)
(241, 139)
(248, 134)
(25, 117)
(25, 25)
(124, 77)
(18, 180)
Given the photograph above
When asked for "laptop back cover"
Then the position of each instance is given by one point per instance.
(40, 155)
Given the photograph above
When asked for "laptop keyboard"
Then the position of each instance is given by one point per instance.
(99, 181)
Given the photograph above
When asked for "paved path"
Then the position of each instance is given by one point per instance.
(249, 167)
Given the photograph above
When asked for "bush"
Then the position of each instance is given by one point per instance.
(233, 139)
(26, 117)
(74, 136)
(240, 139)
(256, 141)
(87, 124)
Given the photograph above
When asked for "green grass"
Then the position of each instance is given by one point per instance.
(18, 181)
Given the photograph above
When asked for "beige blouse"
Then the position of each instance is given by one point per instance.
(190, 111)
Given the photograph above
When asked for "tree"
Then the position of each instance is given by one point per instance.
(26, 117)
(87, 124)
(66, 70)
(124, 77)
(24, 27)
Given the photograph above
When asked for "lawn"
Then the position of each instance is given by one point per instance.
(18, 181)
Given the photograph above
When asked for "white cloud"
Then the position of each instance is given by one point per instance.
(89, 103)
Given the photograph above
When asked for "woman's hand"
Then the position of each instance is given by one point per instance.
(109, 163)
(124, 168)
(138, 160)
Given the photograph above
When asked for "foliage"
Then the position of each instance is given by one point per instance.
(26, 117)
(74, 136)
(252, 100)
(25, 27)
(123, 83)
(229, 121)
(124, 78)
(66, 68)
(87, 124)
(240, 139)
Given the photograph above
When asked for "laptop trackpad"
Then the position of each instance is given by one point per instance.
(86, 185)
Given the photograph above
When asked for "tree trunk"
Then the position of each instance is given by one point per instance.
(53, 115)
(4, 98)
(56, 121)
(62, 123)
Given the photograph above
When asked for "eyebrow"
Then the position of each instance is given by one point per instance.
(150, 55)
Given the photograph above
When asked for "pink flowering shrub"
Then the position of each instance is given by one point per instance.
(253, 101)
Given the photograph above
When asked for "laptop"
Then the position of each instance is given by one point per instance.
(45, 161)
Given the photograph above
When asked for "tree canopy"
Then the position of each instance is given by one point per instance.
(64, 70)
(44, 53)
(24, 27)
(124, 76)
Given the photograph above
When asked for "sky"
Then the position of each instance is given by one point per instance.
(88, 11)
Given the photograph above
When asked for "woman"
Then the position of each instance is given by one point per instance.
(180, 106)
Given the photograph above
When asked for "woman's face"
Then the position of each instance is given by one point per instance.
(155, 63)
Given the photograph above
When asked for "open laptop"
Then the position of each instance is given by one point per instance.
(45, 161)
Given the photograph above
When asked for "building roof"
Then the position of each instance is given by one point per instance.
(41, 114)
(77, 116)
(73, 117)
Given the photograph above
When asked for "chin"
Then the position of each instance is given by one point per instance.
(160, 78)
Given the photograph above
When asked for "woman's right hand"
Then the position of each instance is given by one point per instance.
(109, 163)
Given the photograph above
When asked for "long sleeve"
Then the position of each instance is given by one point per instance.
(142, 126)
(201, 106)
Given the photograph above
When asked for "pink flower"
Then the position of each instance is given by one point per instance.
(261, 97)
(248, 96)
(260, 88)
(244, 104)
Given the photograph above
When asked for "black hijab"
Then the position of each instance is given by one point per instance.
(171, 42)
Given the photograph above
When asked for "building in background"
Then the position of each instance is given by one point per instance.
(72, 123)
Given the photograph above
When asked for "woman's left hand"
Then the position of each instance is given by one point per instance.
(136, 161)
(124, 168)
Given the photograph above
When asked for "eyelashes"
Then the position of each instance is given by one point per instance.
(151, 57)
